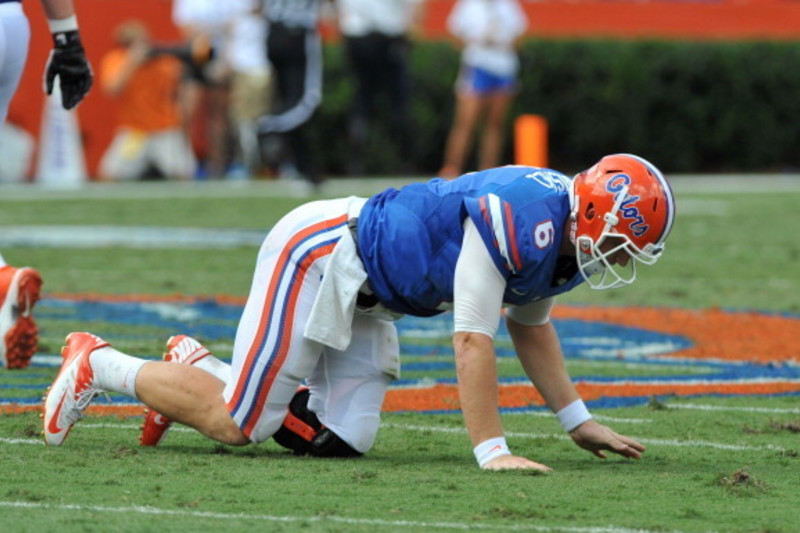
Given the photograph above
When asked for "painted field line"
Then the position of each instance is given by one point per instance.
(128, 237)
(6, 440)
(700, 407)
(618, 420)
(174, 428)
(614, 419)
(561, 436)
(147, 510)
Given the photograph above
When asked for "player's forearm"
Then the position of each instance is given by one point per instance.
(58, 9)
(477, 385)
(540, 353)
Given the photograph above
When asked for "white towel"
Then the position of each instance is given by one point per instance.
(331, 318)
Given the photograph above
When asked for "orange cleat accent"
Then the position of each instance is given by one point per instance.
(180, 349)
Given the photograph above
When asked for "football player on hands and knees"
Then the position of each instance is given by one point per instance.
(316, 347)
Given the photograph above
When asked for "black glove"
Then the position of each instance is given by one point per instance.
(68, 61)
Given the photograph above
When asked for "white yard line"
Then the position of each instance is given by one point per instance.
(128, 237)
(742, 409)
(613, 419)
(394, 524)
(561, 436)
(6, 440)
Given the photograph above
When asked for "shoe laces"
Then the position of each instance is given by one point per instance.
(83, 399)
(85, 392)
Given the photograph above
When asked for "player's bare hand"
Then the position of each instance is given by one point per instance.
(598, 438)
(513, 462)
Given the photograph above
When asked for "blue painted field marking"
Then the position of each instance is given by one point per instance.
(212, 320)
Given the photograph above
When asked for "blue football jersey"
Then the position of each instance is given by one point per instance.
(410, 239)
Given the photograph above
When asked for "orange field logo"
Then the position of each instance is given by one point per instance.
(743, 352)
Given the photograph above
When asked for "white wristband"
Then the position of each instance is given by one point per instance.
(63, 25)
(573, 415)
(490, 449)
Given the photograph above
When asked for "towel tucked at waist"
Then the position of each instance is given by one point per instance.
(331, 318)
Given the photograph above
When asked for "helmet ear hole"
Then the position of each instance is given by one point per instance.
(589, 213)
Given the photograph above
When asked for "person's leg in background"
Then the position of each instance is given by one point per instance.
(468, 109)
(170, 153)
(398, 84)
(126, 158)
(361, 52)
(220, 134)
(491, 147)
(296, 57)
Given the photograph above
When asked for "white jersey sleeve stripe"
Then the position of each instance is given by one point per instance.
(499, 228)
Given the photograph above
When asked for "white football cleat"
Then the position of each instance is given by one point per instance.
(73, 389)
(180, 349)
(19, 292)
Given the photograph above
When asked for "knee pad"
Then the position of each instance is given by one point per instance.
(304, 434)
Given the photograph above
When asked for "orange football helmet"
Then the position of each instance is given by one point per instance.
(623, 212)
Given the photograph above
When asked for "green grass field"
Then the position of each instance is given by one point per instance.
(714, 463)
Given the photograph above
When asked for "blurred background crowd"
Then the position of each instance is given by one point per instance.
(309, 90)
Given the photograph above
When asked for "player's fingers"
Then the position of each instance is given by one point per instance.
(73, 96)
(75, 91)
(636, 445)
(619, 447)
(68, 99)
(629, 452)
(599, 453)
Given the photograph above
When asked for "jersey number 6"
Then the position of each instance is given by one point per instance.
(544, 233)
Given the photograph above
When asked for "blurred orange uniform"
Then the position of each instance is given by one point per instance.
(149, 101)
(145, 82)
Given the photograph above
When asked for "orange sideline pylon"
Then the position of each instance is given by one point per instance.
(530, 141)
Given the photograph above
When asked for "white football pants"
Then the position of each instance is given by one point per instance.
(271, 356)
